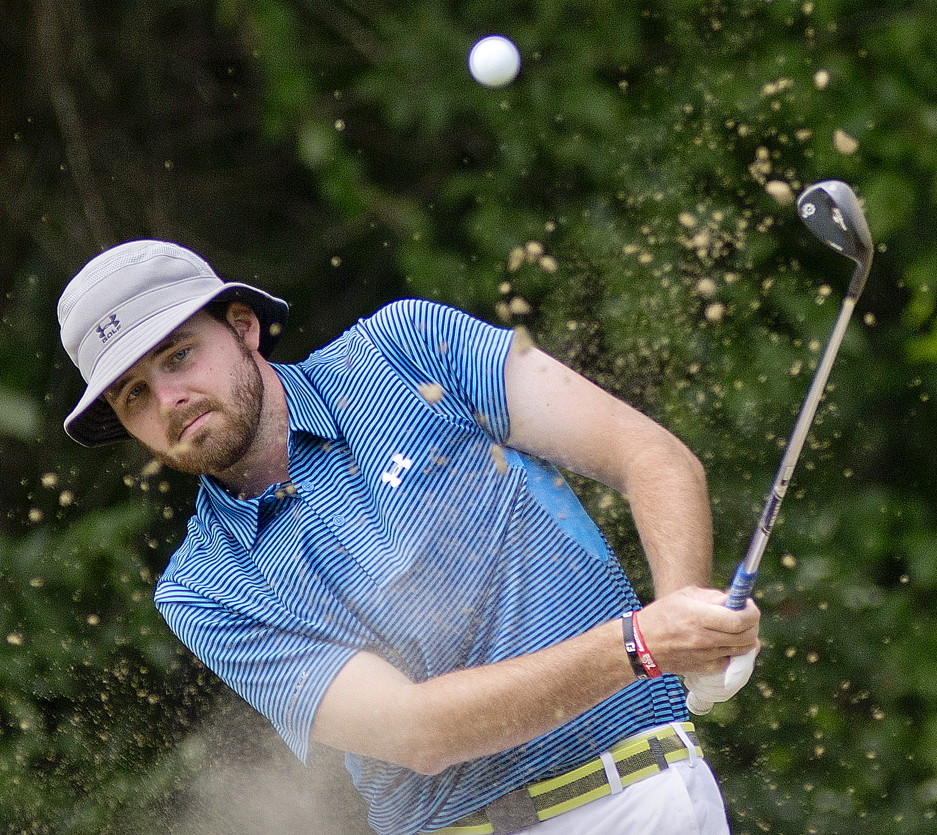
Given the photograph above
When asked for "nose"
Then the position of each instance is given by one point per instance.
(170, 395)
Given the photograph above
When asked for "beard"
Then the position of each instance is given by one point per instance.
(215, 450)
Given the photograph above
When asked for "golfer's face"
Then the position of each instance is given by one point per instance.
(194, 401)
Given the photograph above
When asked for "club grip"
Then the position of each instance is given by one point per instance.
(741, 588)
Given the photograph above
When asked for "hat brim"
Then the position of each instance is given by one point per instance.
(93, 423)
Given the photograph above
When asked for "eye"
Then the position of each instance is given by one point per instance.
(179, 356)
(133, 393)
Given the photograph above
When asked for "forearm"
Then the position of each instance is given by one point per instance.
(669, 501)
(373, 709)
(511, 702)
(474, 712)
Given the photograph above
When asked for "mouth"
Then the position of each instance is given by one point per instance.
(193, 426)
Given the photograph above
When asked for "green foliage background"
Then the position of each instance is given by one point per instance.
(338, 154)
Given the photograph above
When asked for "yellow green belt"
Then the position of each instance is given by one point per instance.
(635, 759)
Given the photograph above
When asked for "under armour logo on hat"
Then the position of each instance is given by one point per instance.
(108, 327)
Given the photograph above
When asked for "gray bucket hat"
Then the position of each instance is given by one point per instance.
(123, 303)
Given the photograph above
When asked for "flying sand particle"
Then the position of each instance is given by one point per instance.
(523, 341)
(715, 312)
(549, 264)
(431, 392)
(706, 288)
(844, 143)
(519, 307)
(780, 191)
(534, 251)
(515, 259)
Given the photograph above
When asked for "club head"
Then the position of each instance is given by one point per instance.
(832, 212)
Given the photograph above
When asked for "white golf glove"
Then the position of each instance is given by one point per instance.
(705, 689)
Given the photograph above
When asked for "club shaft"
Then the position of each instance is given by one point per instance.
(744, 579)
(856, 244)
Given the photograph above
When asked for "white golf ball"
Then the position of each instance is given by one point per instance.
(494, 61)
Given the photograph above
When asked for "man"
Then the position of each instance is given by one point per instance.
(381, 559)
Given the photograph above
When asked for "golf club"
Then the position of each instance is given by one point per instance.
(832, 212)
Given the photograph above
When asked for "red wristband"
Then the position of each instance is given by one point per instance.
(644, 654)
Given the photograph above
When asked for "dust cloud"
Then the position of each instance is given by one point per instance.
(251, 784)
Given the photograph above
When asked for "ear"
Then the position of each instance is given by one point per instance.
(242, 318)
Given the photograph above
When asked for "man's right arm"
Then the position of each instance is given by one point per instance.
(372, 709)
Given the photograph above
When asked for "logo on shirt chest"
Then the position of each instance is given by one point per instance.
(393, 476)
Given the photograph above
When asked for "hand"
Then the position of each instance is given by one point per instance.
(691, 631)
(705, 689)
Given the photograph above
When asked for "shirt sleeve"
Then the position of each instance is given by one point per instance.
(436, 344)
(282, 672)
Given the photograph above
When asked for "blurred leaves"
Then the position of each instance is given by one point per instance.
(92, 695)
(19, 416)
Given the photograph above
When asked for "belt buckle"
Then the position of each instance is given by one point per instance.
(511, 812)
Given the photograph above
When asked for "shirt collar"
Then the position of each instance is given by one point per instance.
(308, 412)
(236, 516)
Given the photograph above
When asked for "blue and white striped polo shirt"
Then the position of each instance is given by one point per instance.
(408, 531)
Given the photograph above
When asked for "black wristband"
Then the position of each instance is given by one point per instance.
(631, 646)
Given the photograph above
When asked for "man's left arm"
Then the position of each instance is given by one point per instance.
(560, 416)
